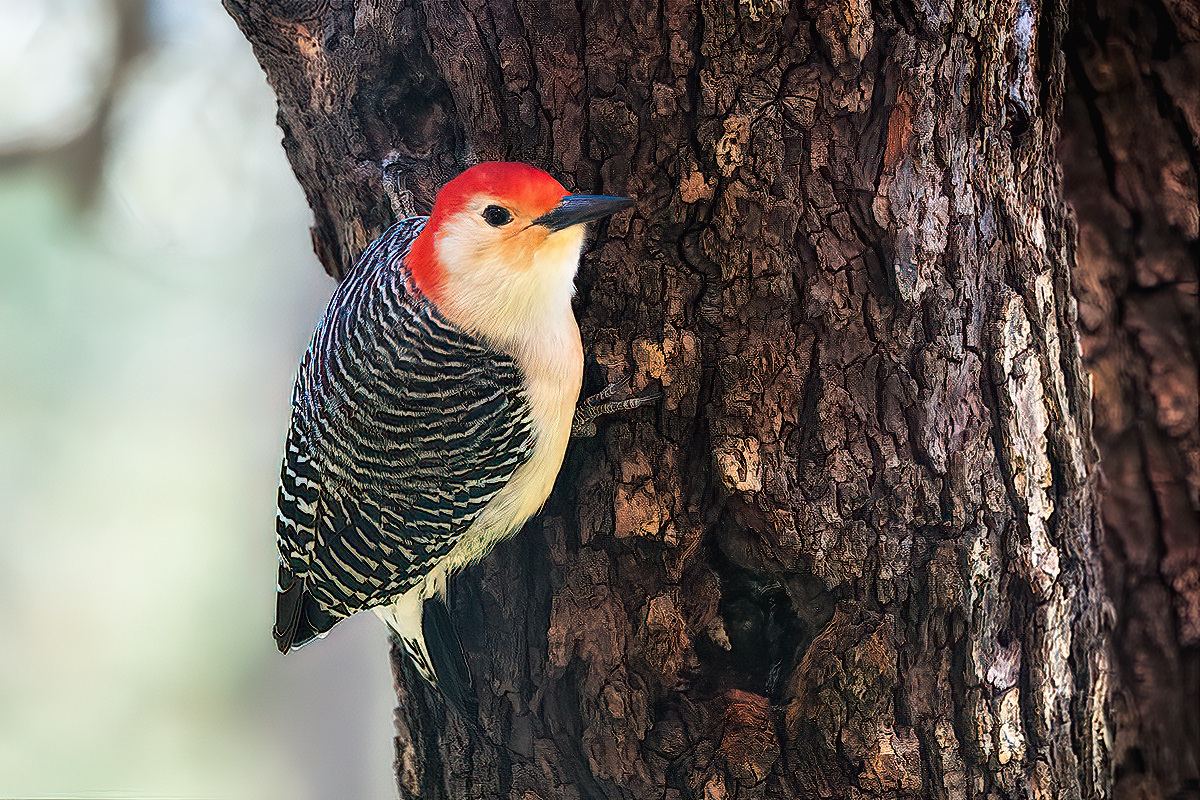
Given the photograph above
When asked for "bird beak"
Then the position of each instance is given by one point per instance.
(576, 209)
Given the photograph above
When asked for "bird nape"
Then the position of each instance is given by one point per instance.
(432, 410)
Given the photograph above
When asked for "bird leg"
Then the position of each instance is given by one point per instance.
(602, 404)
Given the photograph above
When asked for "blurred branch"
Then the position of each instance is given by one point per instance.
(79, 161)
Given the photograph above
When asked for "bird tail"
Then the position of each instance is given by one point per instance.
(299, 618)
(426, 631)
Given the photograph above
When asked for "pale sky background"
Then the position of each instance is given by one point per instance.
(147, 349)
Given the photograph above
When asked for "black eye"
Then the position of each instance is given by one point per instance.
(497, 216)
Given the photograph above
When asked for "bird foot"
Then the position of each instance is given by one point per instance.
(602, 404)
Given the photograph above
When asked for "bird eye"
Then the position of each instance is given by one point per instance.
(497, 216)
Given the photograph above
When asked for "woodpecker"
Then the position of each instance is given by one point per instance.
(435, 402)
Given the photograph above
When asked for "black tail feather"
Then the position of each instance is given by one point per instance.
(298, 617)
(288, 601)
(449, 661)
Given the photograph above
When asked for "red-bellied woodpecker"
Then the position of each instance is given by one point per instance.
(433, 408)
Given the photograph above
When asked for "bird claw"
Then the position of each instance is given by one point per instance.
(601, 404)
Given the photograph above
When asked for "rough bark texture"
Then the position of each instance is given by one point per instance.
(850, 554)
(1131, 156)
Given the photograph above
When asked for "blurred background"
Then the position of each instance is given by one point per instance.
(157, 288)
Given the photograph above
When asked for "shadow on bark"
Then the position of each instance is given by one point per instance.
(1131, 156)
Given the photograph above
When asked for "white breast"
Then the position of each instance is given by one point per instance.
(552, 388)
(526, 313)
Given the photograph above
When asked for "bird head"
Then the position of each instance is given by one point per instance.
(499, 253)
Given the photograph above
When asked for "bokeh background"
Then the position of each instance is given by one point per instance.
(156, 290)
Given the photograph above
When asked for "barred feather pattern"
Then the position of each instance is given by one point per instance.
(403, 429)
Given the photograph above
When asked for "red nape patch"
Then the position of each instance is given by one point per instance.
(423, 264)
(526, 191)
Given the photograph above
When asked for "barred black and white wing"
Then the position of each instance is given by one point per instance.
(403, 429)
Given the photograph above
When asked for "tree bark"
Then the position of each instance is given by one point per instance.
(852, 550)
(1131, 160)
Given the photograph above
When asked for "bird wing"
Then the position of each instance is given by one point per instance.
(403, 429)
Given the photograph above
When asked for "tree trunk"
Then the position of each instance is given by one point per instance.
(851, 551)
(1131, 157)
